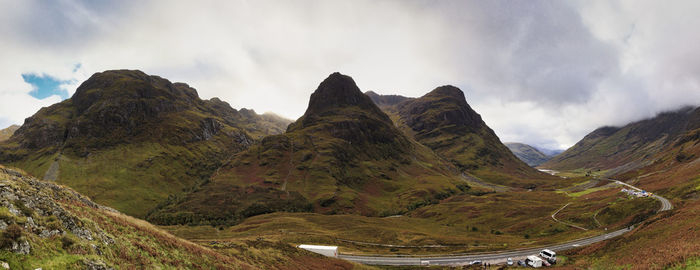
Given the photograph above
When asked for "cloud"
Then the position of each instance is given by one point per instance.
(539, 72)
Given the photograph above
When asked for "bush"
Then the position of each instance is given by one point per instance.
(13, 232)
(11, 235)
(67, 241)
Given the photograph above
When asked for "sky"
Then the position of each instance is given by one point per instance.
(544, 73)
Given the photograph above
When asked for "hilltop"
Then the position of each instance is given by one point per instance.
(344, 155)
(130, 140)
(443, 121)
(528, 154)
(7, 132)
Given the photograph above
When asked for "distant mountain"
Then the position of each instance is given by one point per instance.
(635, 145)
(344, 155)
(130, 140)
(6, 133)
(530, 155)
(443, 121)
(550, 152)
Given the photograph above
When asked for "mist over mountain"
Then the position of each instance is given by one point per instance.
(632, 146)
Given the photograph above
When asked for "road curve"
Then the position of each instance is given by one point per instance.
(495, 256)
(665, 203)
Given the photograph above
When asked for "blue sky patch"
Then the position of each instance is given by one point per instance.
(45, 86)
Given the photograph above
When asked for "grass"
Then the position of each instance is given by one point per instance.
(137, 244)
(462, 223)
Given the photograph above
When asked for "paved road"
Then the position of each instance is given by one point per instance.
(665, 203)
(494, 257)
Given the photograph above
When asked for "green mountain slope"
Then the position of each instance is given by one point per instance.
(7, 132)
(668, 239)
(621, 149)
(528, 154)
(443, 121)
(48, 226)
(130, 140)
(344, 155)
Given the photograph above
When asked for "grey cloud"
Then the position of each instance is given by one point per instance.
(539, 72)
(528, 50)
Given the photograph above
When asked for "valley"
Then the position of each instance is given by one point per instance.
(391, 180)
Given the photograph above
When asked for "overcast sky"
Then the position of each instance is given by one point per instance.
(539, 72)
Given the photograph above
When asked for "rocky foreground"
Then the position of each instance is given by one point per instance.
(53, 227)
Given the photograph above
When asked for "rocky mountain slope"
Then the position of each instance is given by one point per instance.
(635, 145)
(48, 226)
(130, 140)
(6, 133)
(443, 121)
(344, 155)
(528, 154)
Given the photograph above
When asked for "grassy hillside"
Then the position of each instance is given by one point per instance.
(458, 224)
(53, 227)
(7, 132)
(670, 239)
(444, 122)
(528, 154)
(343, 156)
(635, 145)
(130, 140)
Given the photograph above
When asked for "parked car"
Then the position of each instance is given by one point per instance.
(477, 262)
(549, 255)
(521, 263)
(509, 261)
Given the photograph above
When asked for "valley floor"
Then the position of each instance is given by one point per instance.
(462, 224)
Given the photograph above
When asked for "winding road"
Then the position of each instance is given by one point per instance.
(499, 256)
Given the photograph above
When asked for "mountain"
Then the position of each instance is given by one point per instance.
(443, 121)
(344, 155)
(528, 154)
(635, 145)
(130, 140)
(660, 155)
(7, 132)
(550, 152)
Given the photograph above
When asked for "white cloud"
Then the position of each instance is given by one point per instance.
(539, 72)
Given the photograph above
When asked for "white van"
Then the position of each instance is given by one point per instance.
(533, 261)
(549, 255)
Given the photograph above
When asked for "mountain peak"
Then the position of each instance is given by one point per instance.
(447, 90)
(129, 84)
(448, 104)
(340, 91)
(335, 91)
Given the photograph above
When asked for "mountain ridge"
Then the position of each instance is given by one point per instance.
(529, 154)
(130, 140)
(443, 120)
(344, 155)
(631, 146)
(7, 132)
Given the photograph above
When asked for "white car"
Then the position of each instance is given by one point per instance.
(509, 262)
(549, 255)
